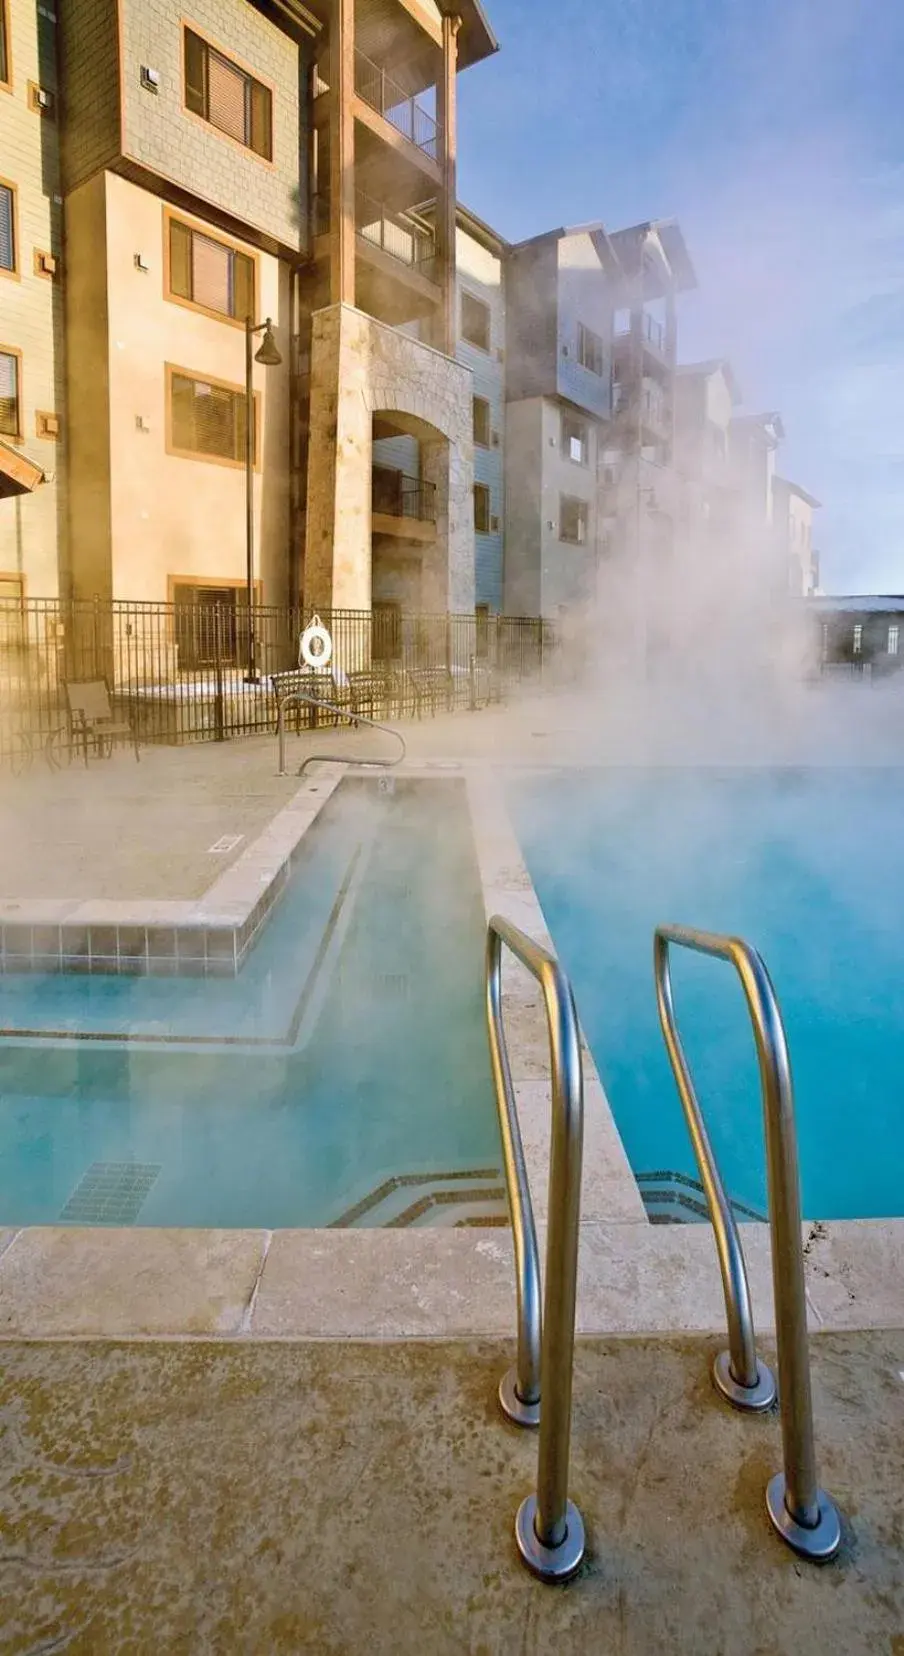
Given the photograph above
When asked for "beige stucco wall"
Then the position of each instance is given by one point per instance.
(31, 540)
(170, 516)
(361, 367)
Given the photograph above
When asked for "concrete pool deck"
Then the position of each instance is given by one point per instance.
(342, 1499)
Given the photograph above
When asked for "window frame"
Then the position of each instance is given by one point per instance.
(199, 375)
(213, 234)
(475, 299)
(485, 403)
(857, 639)
(482, 492)
(589, 333)
(15, 274)
(6, 85)
(892, 643)
(17, 436)
(241, 68)
(584, 505)
(585, 439)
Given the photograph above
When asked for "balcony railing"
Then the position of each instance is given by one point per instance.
(401, 110)
(397, 234)
(394, 494)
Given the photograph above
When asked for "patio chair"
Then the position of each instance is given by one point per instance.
(91, 717)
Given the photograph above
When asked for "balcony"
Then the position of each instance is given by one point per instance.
(377, 89)
(396, 495)
(403, 237)
(402, 507)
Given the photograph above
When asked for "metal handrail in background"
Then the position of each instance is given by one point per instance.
(284, 701)
(802, 1513)
(548, 1528)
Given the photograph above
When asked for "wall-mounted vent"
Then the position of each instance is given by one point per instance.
(47, 425)
(45, 263)
(494, 525)
(141, 264)
(494, 439)
(150, 79)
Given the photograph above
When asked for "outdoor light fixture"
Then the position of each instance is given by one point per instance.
(268, 355)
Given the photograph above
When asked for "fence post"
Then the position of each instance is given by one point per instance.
(219, 710)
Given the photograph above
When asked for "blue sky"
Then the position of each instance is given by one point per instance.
(774, 131)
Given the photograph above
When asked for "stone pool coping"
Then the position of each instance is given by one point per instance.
(203, 936)
(81, 1282)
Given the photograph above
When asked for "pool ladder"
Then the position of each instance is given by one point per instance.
(293, 697)
(548, 1528)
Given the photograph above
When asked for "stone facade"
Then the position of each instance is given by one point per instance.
(32, 535)
(361, 368)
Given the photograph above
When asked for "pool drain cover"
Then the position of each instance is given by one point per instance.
(111, 1193)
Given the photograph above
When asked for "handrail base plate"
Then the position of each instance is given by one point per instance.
(514, 1407)
(550, 1563)
(757, 1399)
(819, 1544)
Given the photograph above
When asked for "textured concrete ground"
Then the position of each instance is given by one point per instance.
(348, 1498)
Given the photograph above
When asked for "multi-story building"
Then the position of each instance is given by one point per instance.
(792, 523)
(33, 424)
(561, 289)
(481, 348)
(864, 632)
(227, 163)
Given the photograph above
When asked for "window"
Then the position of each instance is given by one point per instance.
(590, 350)
(10, 394)
(5, 66)
(209, 273)
(8, 249)
(621, 323)
(572, 520)
(228, 97)
(858, 638)
(575, 439)
(475, 321)
(893, 640)
(481, 422)
(206, 624)
(206, 419)
(481, 508)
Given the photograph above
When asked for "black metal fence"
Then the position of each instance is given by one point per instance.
(197, 672)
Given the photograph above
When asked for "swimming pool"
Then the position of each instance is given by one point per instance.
(806, 865)
(341, 1078)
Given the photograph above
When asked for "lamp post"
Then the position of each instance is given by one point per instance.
(269, 356)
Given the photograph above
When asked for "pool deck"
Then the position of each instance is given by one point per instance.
(320, 1494)
(343, 1499)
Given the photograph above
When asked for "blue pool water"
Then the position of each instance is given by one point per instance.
(808, 866)
(350, 1050)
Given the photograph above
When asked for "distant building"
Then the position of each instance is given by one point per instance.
(792, 524)
(860, 631)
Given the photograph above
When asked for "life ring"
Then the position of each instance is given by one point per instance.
(315, 646)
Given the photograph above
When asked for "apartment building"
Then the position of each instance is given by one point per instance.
(792, 523)
(32, 402)
(561, 290)
(481, 349)
(226, 163)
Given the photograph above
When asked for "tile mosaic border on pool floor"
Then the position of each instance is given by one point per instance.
(88, 1282)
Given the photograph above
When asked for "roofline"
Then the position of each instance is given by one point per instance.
(480, 230)
(795, 488)
(476, 40)
(714, 365)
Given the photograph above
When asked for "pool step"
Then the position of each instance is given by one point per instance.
(471, 1196)
(675, 1199)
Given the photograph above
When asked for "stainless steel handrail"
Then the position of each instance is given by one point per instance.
(548, 1528)
(282, 702)
(801, 1512)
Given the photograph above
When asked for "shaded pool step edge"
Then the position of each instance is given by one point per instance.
(673, 1198)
